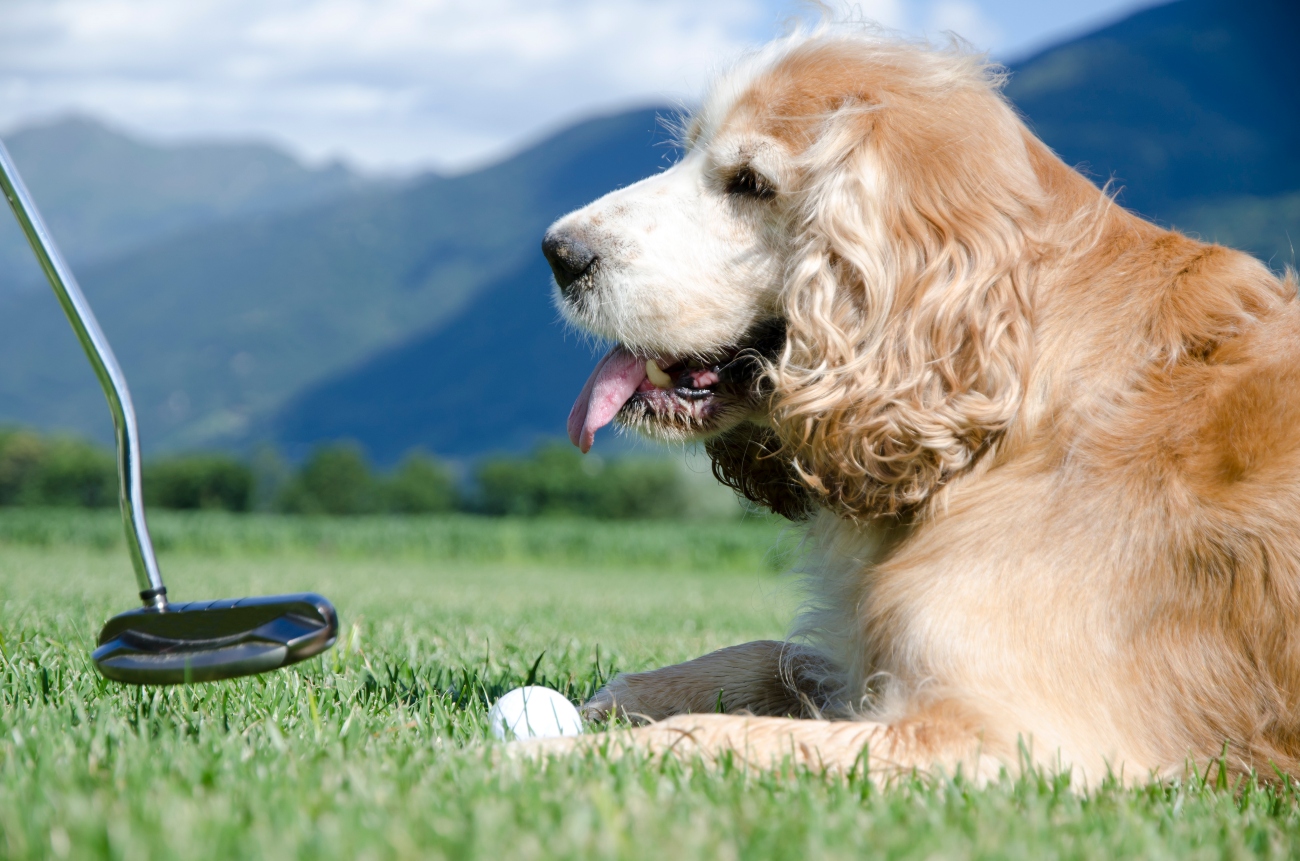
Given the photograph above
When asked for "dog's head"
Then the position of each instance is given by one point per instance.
(830, 286)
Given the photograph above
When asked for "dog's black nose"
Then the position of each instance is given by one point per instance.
(569, 257)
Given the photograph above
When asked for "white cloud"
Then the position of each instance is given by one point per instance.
(396, 82)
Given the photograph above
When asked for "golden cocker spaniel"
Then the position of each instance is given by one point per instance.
(1049, 452)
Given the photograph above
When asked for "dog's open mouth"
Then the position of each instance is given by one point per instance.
(673, 397)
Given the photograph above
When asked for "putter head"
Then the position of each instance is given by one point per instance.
(204, 641)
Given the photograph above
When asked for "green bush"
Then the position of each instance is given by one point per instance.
(557, 480)
(420, 485)
(554, 480)
(55, 471)
(336, 479)
(207, 481)
(21, 455)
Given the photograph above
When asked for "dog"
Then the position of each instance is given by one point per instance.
(1048, 453)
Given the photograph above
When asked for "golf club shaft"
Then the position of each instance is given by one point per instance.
(111, 379)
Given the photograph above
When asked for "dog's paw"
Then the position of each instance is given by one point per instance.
(614, 701)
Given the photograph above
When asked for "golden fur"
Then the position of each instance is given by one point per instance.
(1051, 450)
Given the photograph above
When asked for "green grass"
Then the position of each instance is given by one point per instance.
(379, 748)
(754, 543)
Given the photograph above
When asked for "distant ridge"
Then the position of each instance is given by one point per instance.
(1191, 108)
(218, 326)
(105, 193)
(498, 376)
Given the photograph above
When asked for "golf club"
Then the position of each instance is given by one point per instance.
(162, 643)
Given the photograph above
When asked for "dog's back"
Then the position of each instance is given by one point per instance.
(1122, 576)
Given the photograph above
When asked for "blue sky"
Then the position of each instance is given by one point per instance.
(401, 85)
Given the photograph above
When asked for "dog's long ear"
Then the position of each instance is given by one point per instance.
(906, 301)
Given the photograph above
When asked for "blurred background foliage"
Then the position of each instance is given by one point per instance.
(56, 470)
(199, 481)
(554, 480)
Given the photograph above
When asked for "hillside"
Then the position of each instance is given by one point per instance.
(419, 314)
(1192, 109)
(216, 327)
(500, 375)
(105, 193)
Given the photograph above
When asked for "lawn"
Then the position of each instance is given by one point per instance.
(379, 748)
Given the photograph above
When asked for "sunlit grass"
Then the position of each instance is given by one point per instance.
(705, 544)
(379, 748)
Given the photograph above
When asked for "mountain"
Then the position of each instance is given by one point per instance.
(419, 314)
(217, 327)
(500, 375)
(1192, 109)
(104, 193)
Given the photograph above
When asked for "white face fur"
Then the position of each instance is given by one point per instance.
(687, 261)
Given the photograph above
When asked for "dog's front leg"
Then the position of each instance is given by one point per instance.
(764, 677)
(939, 737)
(935, 740)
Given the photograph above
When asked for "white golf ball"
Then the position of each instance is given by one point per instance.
(533, 712)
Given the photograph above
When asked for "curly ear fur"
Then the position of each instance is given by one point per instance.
(906, 300)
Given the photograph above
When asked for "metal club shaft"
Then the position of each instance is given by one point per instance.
(152, 591)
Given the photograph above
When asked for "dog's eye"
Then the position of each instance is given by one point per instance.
(747, 182)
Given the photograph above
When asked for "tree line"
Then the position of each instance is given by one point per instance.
(337, 478)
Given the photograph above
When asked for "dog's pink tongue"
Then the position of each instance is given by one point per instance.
(613, 381)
